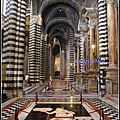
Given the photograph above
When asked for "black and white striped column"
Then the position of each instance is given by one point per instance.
(75, 58)
(37, 51)
(103, 41)
(83, 53)
(48, 62)
(34, 48)
(78, 55)
(43, 45)
(81, 67)
(13, 46)
(71, 56)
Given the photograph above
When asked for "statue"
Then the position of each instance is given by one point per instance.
(60, 112)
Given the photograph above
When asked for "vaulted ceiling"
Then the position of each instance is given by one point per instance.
(57, 18)
(60, 15)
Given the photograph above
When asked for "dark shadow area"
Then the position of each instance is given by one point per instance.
(4, 97)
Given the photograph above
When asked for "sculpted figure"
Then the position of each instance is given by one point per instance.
(60, 112)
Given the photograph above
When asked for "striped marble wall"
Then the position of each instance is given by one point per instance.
(103, 39)
(13, 46)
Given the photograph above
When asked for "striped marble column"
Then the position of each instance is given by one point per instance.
(13, 46)
(50, 59)
(103, 40)
(48, 62)
(81, 66)
(34, 48)
(26, 61)
(71, 56)
(83, 53)
(62, 64)
(37, 51)
(75, 58)
(87, 52)
(78, 56)
(43, 57)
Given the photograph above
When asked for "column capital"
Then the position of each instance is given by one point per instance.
(77, 35)
(92, 26)
(33, 18)
(110, 1)
(36, 19)
(91, 13)
(42, 37)
(46, 37)
(39, 20)
(83, 38)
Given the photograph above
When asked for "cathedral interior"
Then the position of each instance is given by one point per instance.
(69, 50)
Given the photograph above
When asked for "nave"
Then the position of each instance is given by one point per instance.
(68, 100)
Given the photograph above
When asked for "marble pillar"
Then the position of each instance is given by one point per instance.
(92, 47)
(48, 62)
(62, 64)
(78, 58)
(83, 53)
(75, 58)
(112, 70)
(111, 34)
(26, 61)
(50, 59)
(13, 47)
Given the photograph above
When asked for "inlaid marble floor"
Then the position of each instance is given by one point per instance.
(42, 111)
(57, 98)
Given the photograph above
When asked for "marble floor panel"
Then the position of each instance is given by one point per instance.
(45, 111)
(10, 110)
(63, 103)
(65, 99)
(111, 112)
(108, 109)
